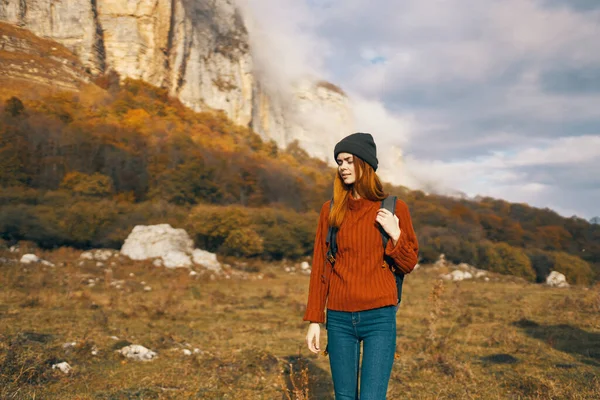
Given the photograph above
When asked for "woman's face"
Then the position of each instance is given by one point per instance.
(346, 169)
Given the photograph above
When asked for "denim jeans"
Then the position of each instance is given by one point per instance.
(376, 328)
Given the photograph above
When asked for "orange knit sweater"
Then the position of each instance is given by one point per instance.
(358, 281)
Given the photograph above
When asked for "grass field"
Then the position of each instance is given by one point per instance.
(503, 339)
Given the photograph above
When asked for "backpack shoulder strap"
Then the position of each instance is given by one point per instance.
(330, 240)
(389, 203)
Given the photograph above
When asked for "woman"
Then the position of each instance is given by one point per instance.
(359, 288)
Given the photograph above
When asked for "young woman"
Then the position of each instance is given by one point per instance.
(359, 288)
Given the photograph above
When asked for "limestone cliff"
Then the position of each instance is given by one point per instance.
(198, 49)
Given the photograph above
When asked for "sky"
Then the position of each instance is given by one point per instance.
(494, 98)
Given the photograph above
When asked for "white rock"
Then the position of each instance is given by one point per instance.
(147, 289)
(47, 263)
(176, 259)
(157, 262)
(193, 273)
(556, 279)
(94, 351)
(287, 269)
(142, 282)
(480, 274)
(457, 275)
(155, 241)
(114, 337)
(305, 265)
(187, 352)
(14, 249)
(441, 262)
(131, 274)
(87, 255)
(137, 352)
(197, 351)
(69, 345)
(63, 366)
(207, 260)
(29, 258)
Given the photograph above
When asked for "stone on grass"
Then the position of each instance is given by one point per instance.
(155, 241)
(556, 279)
(157, 262)
(63, 367)
(304, 265)
(137, 352)
(187, 352)
(457, 275)
(29, 258)
(207, 259)
(47, 263)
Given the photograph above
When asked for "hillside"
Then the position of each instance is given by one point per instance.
(199, 52)
(82, 168)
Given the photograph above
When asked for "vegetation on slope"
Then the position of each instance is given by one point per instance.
(81, 169)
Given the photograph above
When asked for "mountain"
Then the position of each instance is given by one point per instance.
(198, 50)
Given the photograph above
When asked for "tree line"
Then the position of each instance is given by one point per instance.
(81, 169)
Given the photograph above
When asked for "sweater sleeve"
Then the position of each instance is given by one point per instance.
(319, 278)
(405, 253)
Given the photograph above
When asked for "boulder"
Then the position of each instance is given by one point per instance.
(29, 258)
(556, 279)
(137, 352)
(169, 247)
(155, 241)
(207, 260)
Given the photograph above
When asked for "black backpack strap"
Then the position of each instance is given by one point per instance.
(389, 203)
(330, 240)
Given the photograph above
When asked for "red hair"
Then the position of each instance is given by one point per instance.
(367, 185)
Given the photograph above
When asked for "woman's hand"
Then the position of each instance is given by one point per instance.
(312, 337)
(390, 223)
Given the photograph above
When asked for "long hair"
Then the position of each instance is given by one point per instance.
(367, 185)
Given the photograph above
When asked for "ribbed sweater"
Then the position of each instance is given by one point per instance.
(359, 280)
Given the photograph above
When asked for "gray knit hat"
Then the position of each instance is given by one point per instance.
(359, 144)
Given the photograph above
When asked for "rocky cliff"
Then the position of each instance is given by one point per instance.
(199, 50)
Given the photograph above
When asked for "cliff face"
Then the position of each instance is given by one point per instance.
(198, 49)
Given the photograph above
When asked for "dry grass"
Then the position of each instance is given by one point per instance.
(480, 340)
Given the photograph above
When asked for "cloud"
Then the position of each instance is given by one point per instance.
(481, 96)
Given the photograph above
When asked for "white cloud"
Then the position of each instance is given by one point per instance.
(461, 86)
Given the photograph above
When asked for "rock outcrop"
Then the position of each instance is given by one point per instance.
(173, 247)
(199, 51)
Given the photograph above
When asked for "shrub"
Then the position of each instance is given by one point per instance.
(96, 185)
(243, 242)
(505, 259)
(576, 270)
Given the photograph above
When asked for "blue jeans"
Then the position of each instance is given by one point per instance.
(376, 328)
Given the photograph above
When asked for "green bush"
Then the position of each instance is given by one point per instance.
(244, 242)
(505, 259)
(576, 270)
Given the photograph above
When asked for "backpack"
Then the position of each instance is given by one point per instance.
(389, 203)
